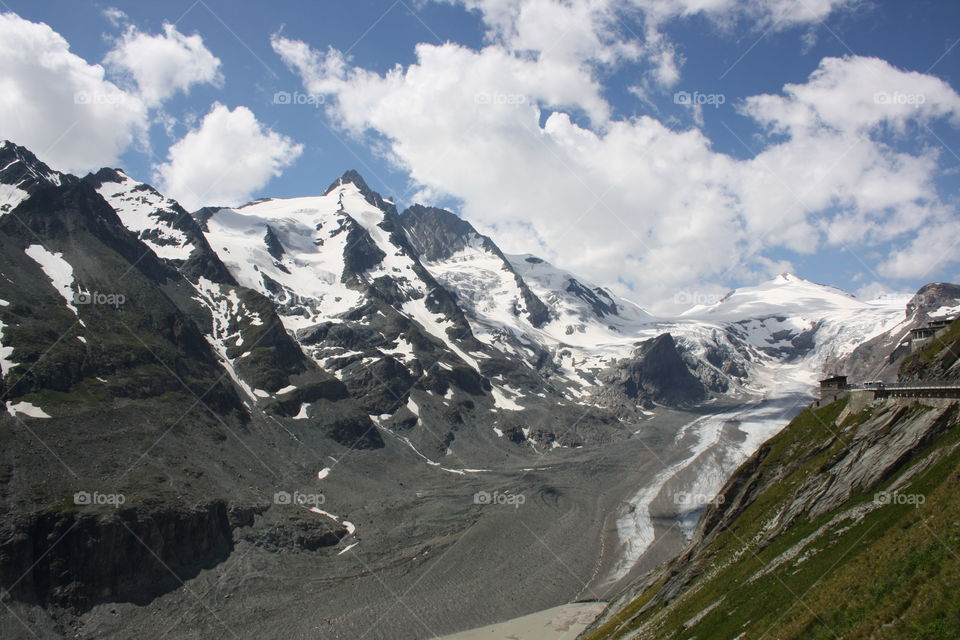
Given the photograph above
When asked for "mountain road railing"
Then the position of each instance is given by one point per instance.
(928, 389)
(931, 385)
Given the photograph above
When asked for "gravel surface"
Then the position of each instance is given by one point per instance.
(425, 559)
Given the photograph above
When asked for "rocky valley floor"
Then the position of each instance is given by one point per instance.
(424, 559)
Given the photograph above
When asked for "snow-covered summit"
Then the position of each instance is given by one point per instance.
(301, 251)
(323, 259)
(142, 209)
(799, 325)
(21, 174)
(785, 294)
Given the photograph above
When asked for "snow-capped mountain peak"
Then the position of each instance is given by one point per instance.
(21, 174)
(155, 218)
(784, 294)
(352, 177)
(800, 323)
(364, 288)
(294, 250)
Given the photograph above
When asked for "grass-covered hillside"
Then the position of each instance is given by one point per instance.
(841, 526)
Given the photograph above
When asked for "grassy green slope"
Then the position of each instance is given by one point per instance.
(862, 569)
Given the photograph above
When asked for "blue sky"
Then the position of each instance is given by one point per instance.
(721, 198)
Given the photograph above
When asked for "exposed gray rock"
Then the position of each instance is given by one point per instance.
(436, 234)
(880, 358)
(655, 373)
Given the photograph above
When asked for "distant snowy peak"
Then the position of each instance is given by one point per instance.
(793, 320)
(470, 264)
(21, 173)
(786, 294)
(571, 298)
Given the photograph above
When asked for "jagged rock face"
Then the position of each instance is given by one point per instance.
(880, 358)
(932, 297)
(380, 387)
(722, 360)
(21, 174)
(655, 373)
(76, 561)
(272, 242)
(599, 300)
(360, 256)
(438, 235)
(203, 214)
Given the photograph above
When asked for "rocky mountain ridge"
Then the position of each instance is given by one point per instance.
(202, 364)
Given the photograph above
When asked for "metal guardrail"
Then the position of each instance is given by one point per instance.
(931, 385)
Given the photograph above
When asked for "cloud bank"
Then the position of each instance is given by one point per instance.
(519, 132)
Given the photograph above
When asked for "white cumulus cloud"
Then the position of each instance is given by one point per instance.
(605, 32)
(163, 64)
(57, 104)
(227, 157)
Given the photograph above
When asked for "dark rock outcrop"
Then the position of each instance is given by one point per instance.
(655, 372)
(77, 560)
(599, 300)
